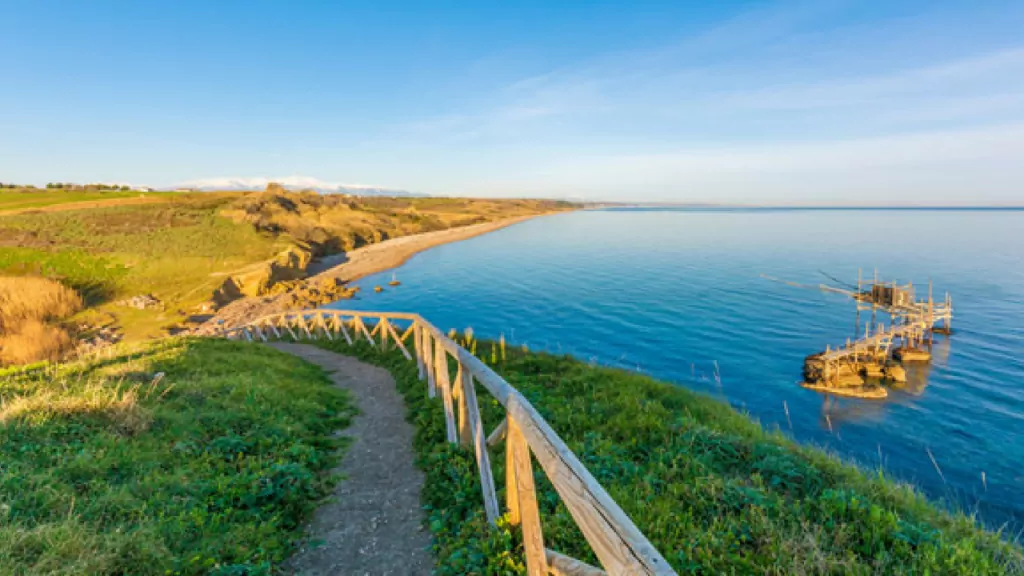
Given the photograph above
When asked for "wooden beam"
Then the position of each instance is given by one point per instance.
(398, 342)
(483, 459)
(616, 541)
(421, 367)
(323, 326)
(288, 326)
(499, 432)
(562, 565)
(441, 366)
(382, 326)
(459, 395)
(410, 330)
(305, 326)
(428, 358)
(339, 324)
(358, 321)
(529, 513)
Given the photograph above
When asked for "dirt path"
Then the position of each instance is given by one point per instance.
(373, 523)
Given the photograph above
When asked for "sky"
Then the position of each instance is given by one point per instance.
(821, 102)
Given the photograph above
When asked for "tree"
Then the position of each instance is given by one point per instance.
(275, 188)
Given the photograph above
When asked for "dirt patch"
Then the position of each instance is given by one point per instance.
(373, 523)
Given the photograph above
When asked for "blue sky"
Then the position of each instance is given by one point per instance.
(792, 102)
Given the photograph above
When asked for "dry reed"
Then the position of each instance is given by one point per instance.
(27, 304)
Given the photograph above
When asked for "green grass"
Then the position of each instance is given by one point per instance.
(713, 492)
(24, 199)
(179, 251)
(209, 471)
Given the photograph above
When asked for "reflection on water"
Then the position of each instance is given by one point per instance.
(671, 293)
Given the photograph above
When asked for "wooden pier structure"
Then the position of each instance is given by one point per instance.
(860, 366)
(617, 543)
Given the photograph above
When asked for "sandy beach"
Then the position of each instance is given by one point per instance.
(353, 265)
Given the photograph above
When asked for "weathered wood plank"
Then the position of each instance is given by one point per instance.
(288, 326)
(428, 357)
(398, 342)
(529, 513)
(305, 326)
(443, 382)
(616, 541)
(323, 326)
(421, 367)
(483, 459)
(383, 329)
(498, 434)
(362, 327)
(511, 493)
(465, 435)
(562, 565)
(339, 324)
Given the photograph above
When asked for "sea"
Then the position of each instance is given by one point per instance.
(726, 302)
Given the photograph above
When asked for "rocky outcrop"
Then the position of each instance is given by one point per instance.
(258, 279)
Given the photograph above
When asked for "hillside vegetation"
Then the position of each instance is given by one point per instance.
(183, 457)
(30, 313)
(186, 248)
(713, 492)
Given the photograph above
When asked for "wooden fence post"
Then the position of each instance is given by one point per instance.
(428, 357)
(417, 334)
(441, 366)
(465, 435)
(475, 428)
(526, 496)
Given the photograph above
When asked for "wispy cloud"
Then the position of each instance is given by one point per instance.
(785, 93)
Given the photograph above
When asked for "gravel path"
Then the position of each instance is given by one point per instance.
(373, 523)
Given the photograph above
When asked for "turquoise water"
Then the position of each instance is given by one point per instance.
(672, 292)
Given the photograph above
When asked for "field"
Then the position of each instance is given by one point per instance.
(186, 246)
(714, 492)
(11, 200)
(110, 468)
(178, 251)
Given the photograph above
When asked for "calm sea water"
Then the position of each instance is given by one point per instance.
(670, 292)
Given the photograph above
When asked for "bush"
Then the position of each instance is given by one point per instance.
(33, 341)
(26, 305)
(29, 298)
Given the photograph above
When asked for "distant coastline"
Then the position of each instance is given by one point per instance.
(767, 207)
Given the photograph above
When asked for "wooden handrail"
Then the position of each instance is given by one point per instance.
(615, 540)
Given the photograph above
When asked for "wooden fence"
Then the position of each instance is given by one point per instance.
(615, 540)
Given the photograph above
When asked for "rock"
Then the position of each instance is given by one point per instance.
(141, 302)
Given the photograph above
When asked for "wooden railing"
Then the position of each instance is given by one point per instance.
(619, 546)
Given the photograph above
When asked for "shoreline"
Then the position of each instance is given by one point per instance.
(357, 264)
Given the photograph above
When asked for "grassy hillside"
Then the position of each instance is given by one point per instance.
(22, 199)
(179, 251)
(183, 249)
(714, 492)
(209, 469)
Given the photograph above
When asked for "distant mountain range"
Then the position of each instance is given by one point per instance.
(292, 183)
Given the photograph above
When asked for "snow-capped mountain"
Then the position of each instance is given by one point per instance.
(293, 183)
